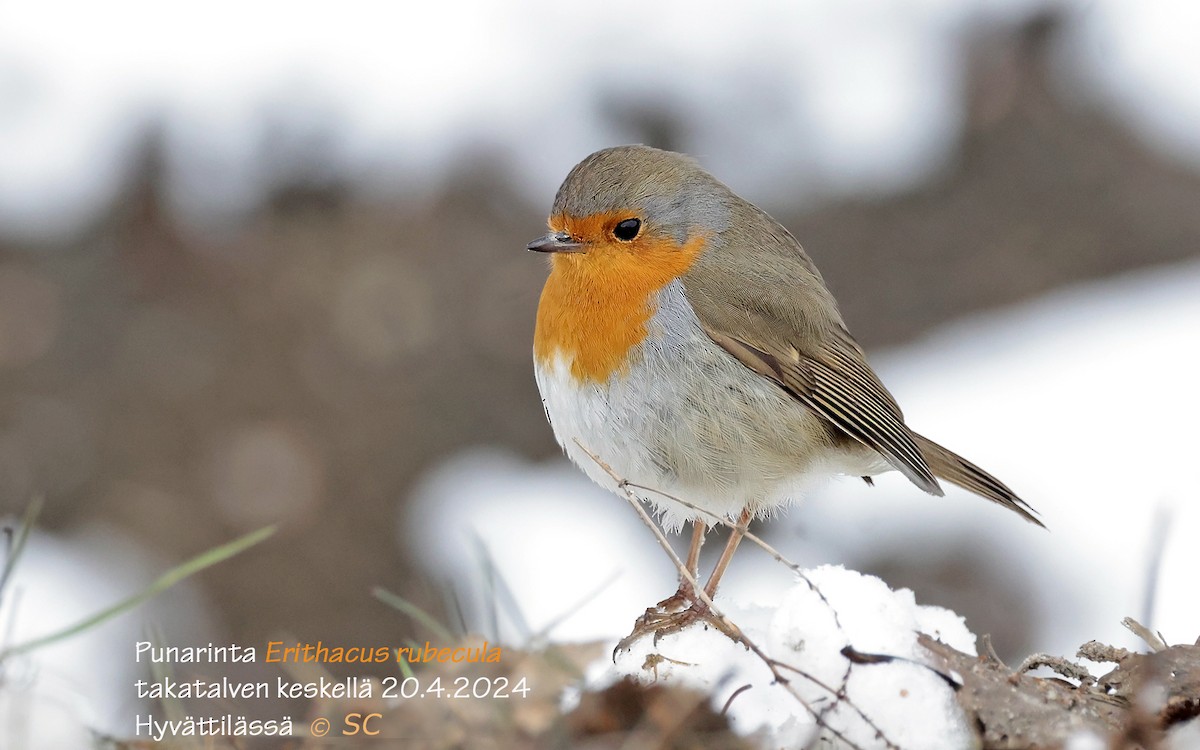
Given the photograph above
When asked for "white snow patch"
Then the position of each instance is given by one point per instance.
(52, 697)
(568, 551)
(905, 698)
(1184, 736)
(1084, 403)
(1085, 740)
(57, 695)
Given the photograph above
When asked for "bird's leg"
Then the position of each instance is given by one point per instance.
(699, 528)
(693, 559)
(685, 608)
(735, 538)
(684, 596)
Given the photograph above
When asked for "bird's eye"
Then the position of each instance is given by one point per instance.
(627, 230)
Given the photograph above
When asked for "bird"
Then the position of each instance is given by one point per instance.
(685, 344)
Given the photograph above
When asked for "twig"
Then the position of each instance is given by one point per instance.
(1154, 640)
(1064, 667)
(736, 693)
(1102, 652)
(989, 650)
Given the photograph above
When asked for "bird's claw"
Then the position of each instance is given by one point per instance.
(673, 615)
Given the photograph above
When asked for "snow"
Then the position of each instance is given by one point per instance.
(1083, 401)
(1185, 736)
(550, 559)
(561, 555)
(1085, 740)
(55, 696)
(905, 699)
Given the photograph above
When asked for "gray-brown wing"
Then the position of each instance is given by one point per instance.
(798, 340)
(838, 385)
(797, 337)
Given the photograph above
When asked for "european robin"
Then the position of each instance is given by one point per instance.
(686, 339)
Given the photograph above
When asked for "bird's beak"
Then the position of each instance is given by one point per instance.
(555, 242)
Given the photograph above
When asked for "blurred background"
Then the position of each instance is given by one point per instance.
(263, 263)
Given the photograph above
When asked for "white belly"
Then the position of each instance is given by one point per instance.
(689, 420)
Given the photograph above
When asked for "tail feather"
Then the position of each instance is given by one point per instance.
(958, 470)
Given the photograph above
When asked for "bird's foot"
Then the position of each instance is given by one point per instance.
(673, 615)
(677, 602)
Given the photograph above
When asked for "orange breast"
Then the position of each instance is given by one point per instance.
(596, 305)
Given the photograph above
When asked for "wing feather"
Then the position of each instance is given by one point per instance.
(799, 341)
(845, 394)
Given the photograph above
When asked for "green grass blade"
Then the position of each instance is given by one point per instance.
(403, 605)
(173, 707)
(18, 541)
(406, 669)
(164, 582)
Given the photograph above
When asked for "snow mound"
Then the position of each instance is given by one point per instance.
(899, 699)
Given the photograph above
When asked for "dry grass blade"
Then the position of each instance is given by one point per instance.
(570, 610)
(499, 595)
